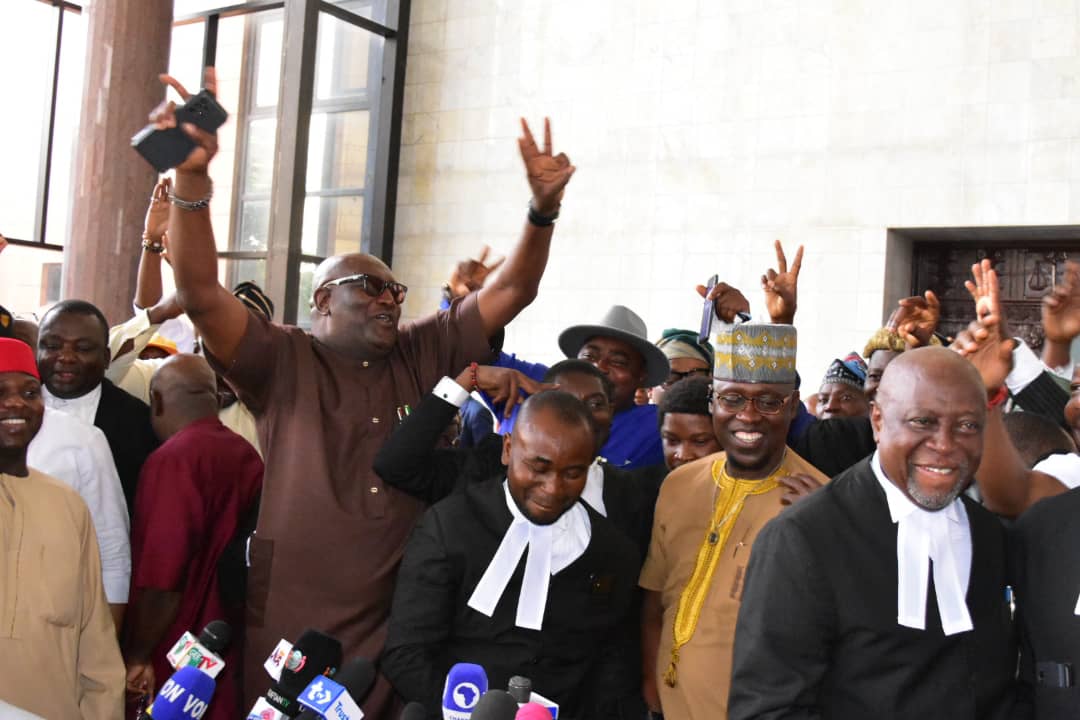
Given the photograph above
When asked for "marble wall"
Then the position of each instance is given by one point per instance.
(704, 129)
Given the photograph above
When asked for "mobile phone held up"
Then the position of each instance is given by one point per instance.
(165, 149)
(707, 311)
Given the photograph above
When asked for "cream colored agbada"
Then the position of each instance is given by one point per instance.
(700, 505)
(58, 652)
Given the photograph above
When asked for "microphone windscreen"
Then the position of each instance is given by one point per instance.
(465, 684)
(414, 711)
(495, 705)
(356, 676)
(532, 711)
(216, 636)
(184, 696)
(315, 653)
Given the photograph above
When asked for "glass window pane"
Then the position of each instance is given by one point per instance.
(268, 60)
(185, 63)
(185, 56)
(254, 226)
(332, 225)
(30, 278)
(337, 150)
(303, 305)
(230, 67)
(65, 134)
(259, 160)
(341, 62)
(233, 272)
(28, 35)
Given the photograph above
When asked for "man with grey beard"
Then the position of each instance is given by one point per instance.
(863, 599)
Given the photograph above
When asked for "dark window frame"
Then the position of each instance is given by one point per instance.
(44, 174)
(284, 254)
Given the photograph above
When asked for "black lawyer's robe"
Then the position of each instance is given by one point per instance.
(817, 635)
(569, 660)
(125, 421)
(1046, 547)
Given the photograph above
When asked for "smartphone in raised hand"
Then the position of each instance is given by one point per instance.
(707, 313)
(165, 149)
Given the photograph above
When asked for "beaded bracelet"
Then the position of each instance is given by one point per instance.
(191, 205)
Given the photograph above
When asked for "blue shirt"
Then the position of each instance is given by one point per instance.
(635, 433)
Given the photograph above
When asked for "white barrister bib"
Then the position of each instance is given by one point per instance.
(552, 548)
(922, 536)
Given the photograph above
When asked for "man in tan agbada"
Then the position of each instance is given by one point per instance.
(707, 516)
(58, 652)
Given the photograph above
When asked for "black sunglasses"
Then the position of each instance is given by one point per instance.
(371, 285)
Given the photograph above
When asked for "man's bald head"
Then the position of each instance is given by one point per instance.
(928, 420)
(182, 390)
(357, 319)
(928, 364)
(340, 266)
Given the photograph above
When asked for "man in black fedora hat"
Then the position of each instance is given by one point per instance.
(618, 344)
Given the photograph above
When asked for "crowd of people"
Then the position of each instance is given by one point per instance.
(668, 526)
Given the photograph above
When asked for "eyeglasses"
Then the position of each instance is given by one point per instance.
(371, 285)
(764, 404)
(675, 376)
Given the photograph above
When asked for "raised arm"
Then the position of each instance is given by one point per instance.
(148, 293)
(220, 318)
(410, 461)
(1061, 318)
(516, 284)
(1007, 486)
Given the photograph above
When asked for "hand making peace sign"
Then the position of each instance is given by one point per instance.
(547, 174)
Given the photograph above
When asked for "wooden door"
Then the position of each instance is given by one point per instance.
(1026, 274)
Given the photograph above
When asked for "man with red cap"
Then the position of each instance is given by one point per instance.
(55, 625)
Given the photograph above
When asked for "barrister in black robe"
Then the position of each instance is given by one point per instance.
(819, 633)
(570, 658)
(411, 461)
(1046, 547)
(72, 354)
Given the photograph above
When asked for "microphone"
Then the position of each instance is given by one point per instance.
(532, 711)
(495, 705)
(315, 653)
(336, 699)
(520, 688)
(465, 684)
(184, 696)
(203, 652)
(414, 711)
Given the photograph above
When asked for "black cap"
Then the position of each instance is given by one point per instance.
(216, 636)
(255, 299)
(315, 653)
(495, 705)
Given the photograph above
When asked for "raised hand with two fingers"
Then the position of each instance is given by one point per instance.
(781, 286)
(548, 174)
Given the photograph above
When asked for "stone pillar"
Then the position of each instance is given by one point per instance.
(127, 45)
